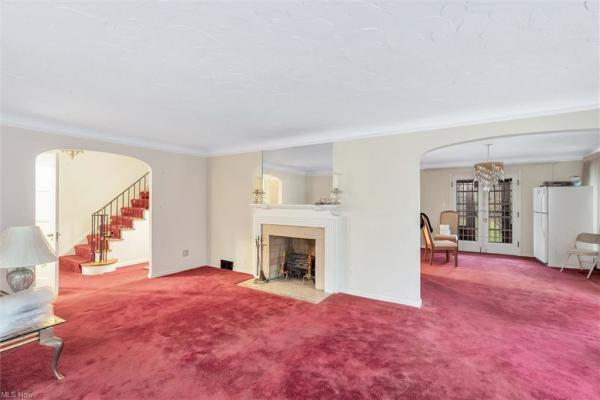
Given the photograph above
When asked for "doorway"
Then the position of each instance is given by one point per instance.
(489, 221)
(72, 186)
(46, 214)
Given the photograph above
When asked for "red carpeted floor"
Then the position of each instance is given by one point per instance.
(493, 328)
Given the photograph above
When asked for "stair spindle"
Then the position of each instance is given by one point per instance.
(102, 220)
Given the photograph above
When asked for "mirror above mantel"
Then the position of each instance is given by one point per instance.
(298, 175)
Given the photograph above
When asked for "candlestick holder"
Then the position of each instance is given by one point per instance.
(336, 196)
(259, 247)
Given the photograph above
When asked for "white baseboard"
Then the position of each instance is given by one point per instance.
(172, 271)
(390, 299)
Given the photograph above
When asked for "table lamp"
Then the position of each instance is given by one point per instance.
(21, 249)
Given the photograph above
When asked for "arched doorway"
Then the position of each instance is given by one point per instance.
(500, 220)
(95, 210)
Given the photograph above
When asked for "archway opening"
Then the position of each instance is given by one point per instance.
(508, 218)
(95, 209)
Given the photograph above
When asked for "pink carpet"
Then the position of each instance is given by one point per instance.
(493, 328)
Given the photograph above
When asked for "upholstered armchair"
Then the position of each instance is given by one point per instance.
(432, 245)
(449, 218)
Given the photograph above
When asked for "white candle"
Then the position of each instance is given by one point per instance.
(336, 181)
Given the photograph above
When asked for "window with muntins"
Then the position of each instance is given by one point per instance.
(500, 229)
(467, 202)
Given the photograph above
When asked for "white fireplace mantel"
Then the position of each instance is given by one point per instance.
(312, 216)
(315, 207)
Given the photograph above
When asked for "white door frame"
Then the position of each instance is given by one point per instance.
(51, 276)
(482, 244)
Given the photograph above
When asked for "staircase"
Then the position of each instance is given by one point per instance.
(108, 224)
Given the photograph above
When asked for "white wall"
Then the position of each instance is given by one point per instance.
(591, 177)
(1, 167)
(381, 195)
(231, 182)
(133, 249)
(437, 195)
(178, 196)
(86, 183)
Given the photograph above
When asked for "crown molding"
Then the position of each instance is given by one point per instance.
(338, 136)
(507, 162)
(595, 153)
(40, 125)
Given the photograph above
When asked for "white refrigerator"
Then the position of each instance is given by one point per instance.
(559, 214)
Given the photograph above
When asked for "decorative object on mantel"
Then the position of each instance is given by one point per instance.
(261, 275)
(324, 201)
(336, 196)
(72, 152)
(259, 192)
(21, 249)
(488, 173)
(575, 180)
(336, 193)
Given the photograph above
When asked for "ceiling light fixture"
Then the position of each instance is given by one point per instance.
(72, 152)
(488, 173)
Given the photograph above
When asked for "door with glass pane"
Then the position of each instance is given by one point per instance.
(488, 222)
(466, 200)
(502, 217)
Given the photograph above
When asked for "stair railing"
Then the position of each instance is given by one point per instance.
(102, 220)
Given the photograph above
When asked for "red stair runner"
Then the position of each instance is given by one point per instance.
(122, 221)
(134, 212)
(84, 250)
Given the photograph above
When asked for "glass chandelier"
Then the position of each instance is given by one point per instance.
(488, 173)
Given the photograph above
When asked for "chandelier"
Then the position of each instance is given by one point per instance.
(72, 152)
(488, 173)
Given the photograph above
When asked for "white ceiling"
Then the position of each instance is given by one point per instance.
(218, 77)
(316, 159)
(522, 149)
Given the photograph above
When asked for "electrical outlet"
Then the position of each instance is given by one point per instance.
(186, 252)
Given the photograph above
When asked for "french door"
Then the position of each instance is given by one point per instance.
(488, 221)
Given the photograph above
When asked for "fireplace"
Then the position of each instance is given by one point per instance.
(294, 252)
(292, 258)
(321, 224)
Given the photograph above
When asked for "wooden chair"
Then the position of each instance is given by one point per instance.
(586, 238)
(432, 246)
(449, 218)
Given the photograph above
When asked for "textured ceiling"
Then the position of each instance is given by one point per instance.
(545, 147)
(231, 76)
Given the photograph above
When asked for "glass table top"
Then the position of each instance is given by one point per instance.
(44, 324)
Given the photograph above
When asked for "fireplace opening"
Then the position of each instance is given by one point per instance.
(292, 259)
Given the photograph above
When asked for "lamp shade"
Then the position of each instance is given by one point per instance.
(24, 246)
